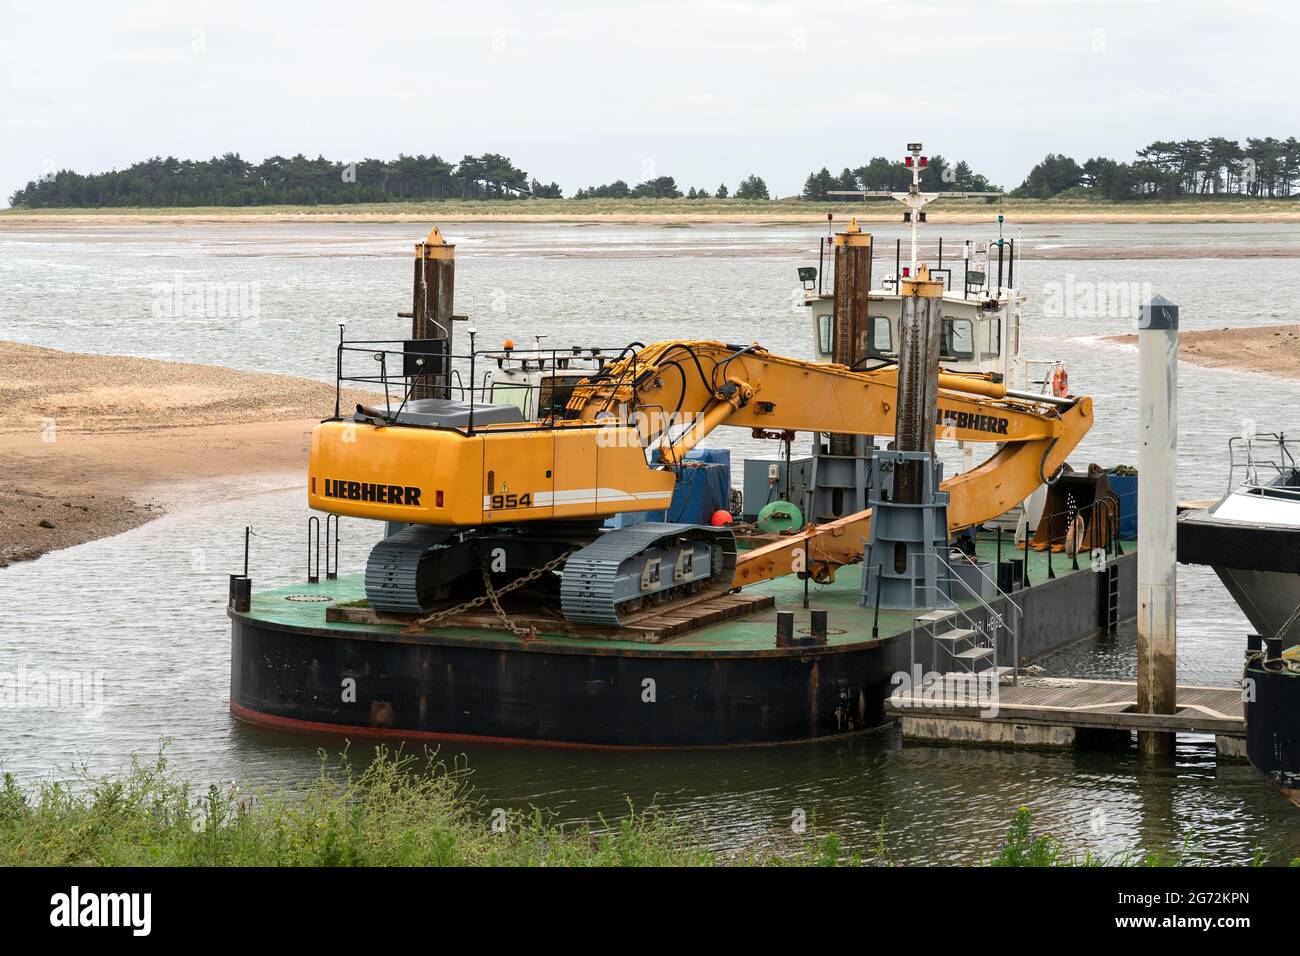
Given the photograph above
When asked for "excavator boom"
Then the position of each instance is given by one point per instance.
(775, 392)
(681, 382)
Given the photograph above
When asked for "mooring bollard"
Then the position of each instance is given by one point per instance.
(784, 628)
(241, 593)
(817, 627)
(1157, 679)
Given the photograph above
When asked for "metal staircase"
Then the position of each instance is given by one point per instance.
(966, 639)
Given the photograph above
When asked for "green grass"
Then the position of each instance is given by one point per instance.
(399, 810)
(793, 210)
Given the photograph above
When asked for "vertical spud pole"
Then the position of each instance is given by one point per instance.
(431, 309)
(920, 327)
(850, 328)
(1157, 556)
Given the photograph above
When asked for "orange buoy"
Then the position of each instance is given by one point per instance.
(720, 518)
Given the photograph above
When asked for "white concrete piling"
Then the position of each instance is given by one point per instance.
(1157, 518)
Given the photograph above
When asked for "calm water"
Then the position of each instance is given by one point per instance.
(146, 609)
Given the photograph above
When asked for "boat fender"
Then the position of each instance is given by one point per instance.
(1074, 537)
(1060, 382)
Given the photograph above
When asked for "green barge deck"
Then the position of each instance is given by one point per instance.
(722, 683)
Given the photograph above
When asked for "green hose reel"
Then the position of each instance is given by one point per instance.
(778, 517)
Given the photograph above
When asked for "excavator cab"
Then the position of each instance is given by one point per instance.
(540, 384)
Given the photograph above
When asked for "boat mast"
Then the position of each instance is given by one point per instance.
(913, 199)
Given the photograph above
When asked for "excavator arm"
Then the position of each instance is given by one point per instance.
(676, 392)
(697, 386)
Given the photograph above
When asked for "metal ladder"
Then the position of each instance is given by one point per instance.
(1108, 597)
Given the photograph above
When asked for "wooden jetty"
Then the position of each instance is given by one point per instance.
(1058, 712)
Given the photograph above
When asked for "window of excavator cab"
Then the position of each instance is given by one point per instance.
(994, 348)
(554, 394)
(958, 339)
(824, 333)
(510, 393)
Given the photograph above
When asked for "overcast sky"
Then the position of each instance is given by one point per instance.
(589, 92)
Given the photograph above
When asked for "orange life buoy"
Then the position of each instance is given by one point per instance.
(1060, 382)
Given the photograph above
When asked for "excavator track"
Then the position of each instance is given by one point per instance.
(393, 578)
(654, 562)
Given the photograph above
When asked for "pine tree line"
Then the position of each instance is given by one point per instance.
(1266, 167)
(890, 175)
(1263, 168)
(665, 187)
(230, 180)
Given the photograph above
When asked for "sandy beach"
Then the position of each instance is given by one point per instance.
(92, 445)
(1269, 349)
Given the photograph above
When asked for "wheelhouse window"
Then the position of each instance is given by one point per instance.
(882, 336)
(958, 339)
(994, 348)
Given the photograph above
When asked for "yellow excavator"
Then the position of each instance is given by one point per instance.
(487, 495)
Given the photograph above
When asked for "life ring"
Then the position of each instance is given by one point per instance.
(1060, 382)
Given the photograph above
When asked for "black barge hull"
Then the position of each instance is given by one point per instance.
(382, 686)
(296, 671)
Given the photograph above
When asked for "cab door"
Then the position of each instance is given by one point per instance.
(576, 451)
(518, 475)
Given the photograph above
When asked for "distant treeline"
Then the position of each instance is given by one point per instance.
(665, 187)
(230, 180)
(1265, 167)
(890, 175)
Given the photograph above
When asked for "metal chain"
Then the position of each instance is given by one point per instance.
(493, 594)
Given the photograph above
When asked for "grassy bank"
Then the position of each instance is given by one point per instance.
(397, 811)
(1224, 208)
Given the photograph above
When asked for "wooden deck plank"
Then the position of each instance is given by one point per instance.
(1080, 704)
(651, 626)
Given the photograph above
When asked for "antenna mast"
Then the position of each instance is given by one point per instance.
(913, 199)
